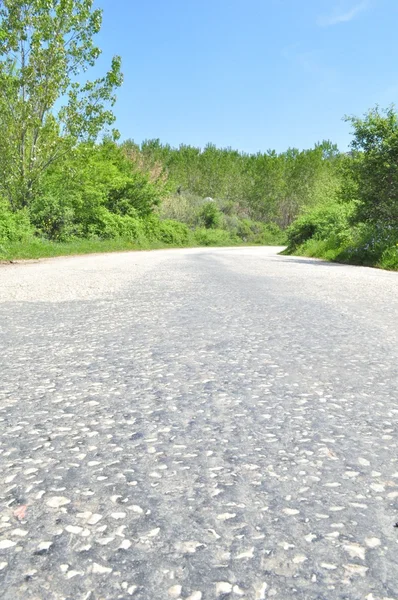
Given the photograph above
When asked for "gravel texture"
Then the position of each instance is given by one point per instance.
(198, 424)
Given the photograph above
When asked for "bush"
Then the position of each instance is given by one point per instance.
(210, 215)
(181, 207)
(53, 216)
(369, 243)
(108, 225)
(214, 237)
(14, 226)
(174, 233)
(319, 223)
(389, 258)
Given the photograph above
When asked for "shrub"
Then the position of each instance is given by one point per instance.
(319, 223)
(174, 233)
(53, 215)
(108, 225)
(389, 258)
(14, 226)
(210, 215)
(214, 237)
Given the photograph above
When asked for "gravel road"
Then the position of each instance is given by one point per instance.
(202, 424)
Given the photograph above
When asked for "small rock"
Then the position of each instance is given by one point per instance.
(226, 516)
(118, 515)
(105, 541)
(125, 545)
(195, 596)
(363, 462)
(5, 544)
(377, 487)
(73, 573)
(85, 533)
(238, 591)
(136, 509)
(132, 590)
(188, 547)
(43, 547)
(100, 570)
(261, 590)
(355, 551)
(84, 515)
(73, 529)
(19, 532)
(291, 511)
(300, 558)
(246, 554)
(175, 591)
(153, 532)
(356, 569)
(328, 566)
(64, 568)
(57, 501)
(223, 587)
(372, 542)
(94, 519)
(3, 565)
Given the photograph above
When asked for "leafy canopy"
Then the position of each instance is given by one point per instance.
(45, 107)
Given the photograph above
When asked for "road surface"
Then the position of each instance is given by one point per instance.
(202, 424)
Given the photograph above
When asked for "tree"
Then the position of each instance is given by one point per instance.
(374, 166)
(45, 108)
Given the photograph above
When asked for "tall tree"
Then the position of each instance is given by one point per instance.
(374, 165)
(45, 108)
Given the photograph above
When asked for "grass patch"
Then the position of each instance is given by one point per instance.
(45, 249)
(39, 248)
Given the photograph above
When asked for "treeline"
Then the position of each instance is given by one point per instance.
(266, 186)
(68, 185)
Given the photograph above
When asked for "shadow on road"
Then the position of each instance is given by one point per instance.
(312, 261)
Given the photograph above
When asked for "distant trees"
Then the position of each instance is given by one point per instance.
(266, 186)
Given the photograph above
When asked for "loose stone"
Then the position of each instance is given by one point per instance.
(175, 591)
(57, 501)
(100, 570)
(223, 587)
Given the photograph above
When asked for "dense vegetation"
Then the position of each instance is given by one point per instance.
(358, 224)
(67, 185)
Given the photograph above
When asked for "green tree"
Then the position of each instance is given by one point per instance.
(45, 108)
(374, 166)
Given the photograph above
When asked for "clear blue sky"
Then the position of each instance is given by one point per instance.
(250, 74)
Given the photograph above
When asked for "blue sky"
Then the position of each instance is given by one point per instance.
(250, 74)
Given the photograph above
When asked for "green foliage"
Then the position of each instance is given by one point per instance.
(209, 215)
(359, 224)
(14, 226)
(374, 166)
(214, 237)
(173, 233)
(45, 109)
(389, 258)
(269, 187)
(96, 191)
(319, 223)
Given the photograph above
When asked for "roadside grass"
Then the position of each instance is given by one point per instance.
(386, 259)
(35, 248)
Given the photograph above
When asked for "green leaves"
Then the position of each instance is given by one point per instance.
(45, 108)
(374, 166)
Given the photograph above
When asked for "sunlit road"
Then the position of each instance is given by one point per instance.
(202, 424)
